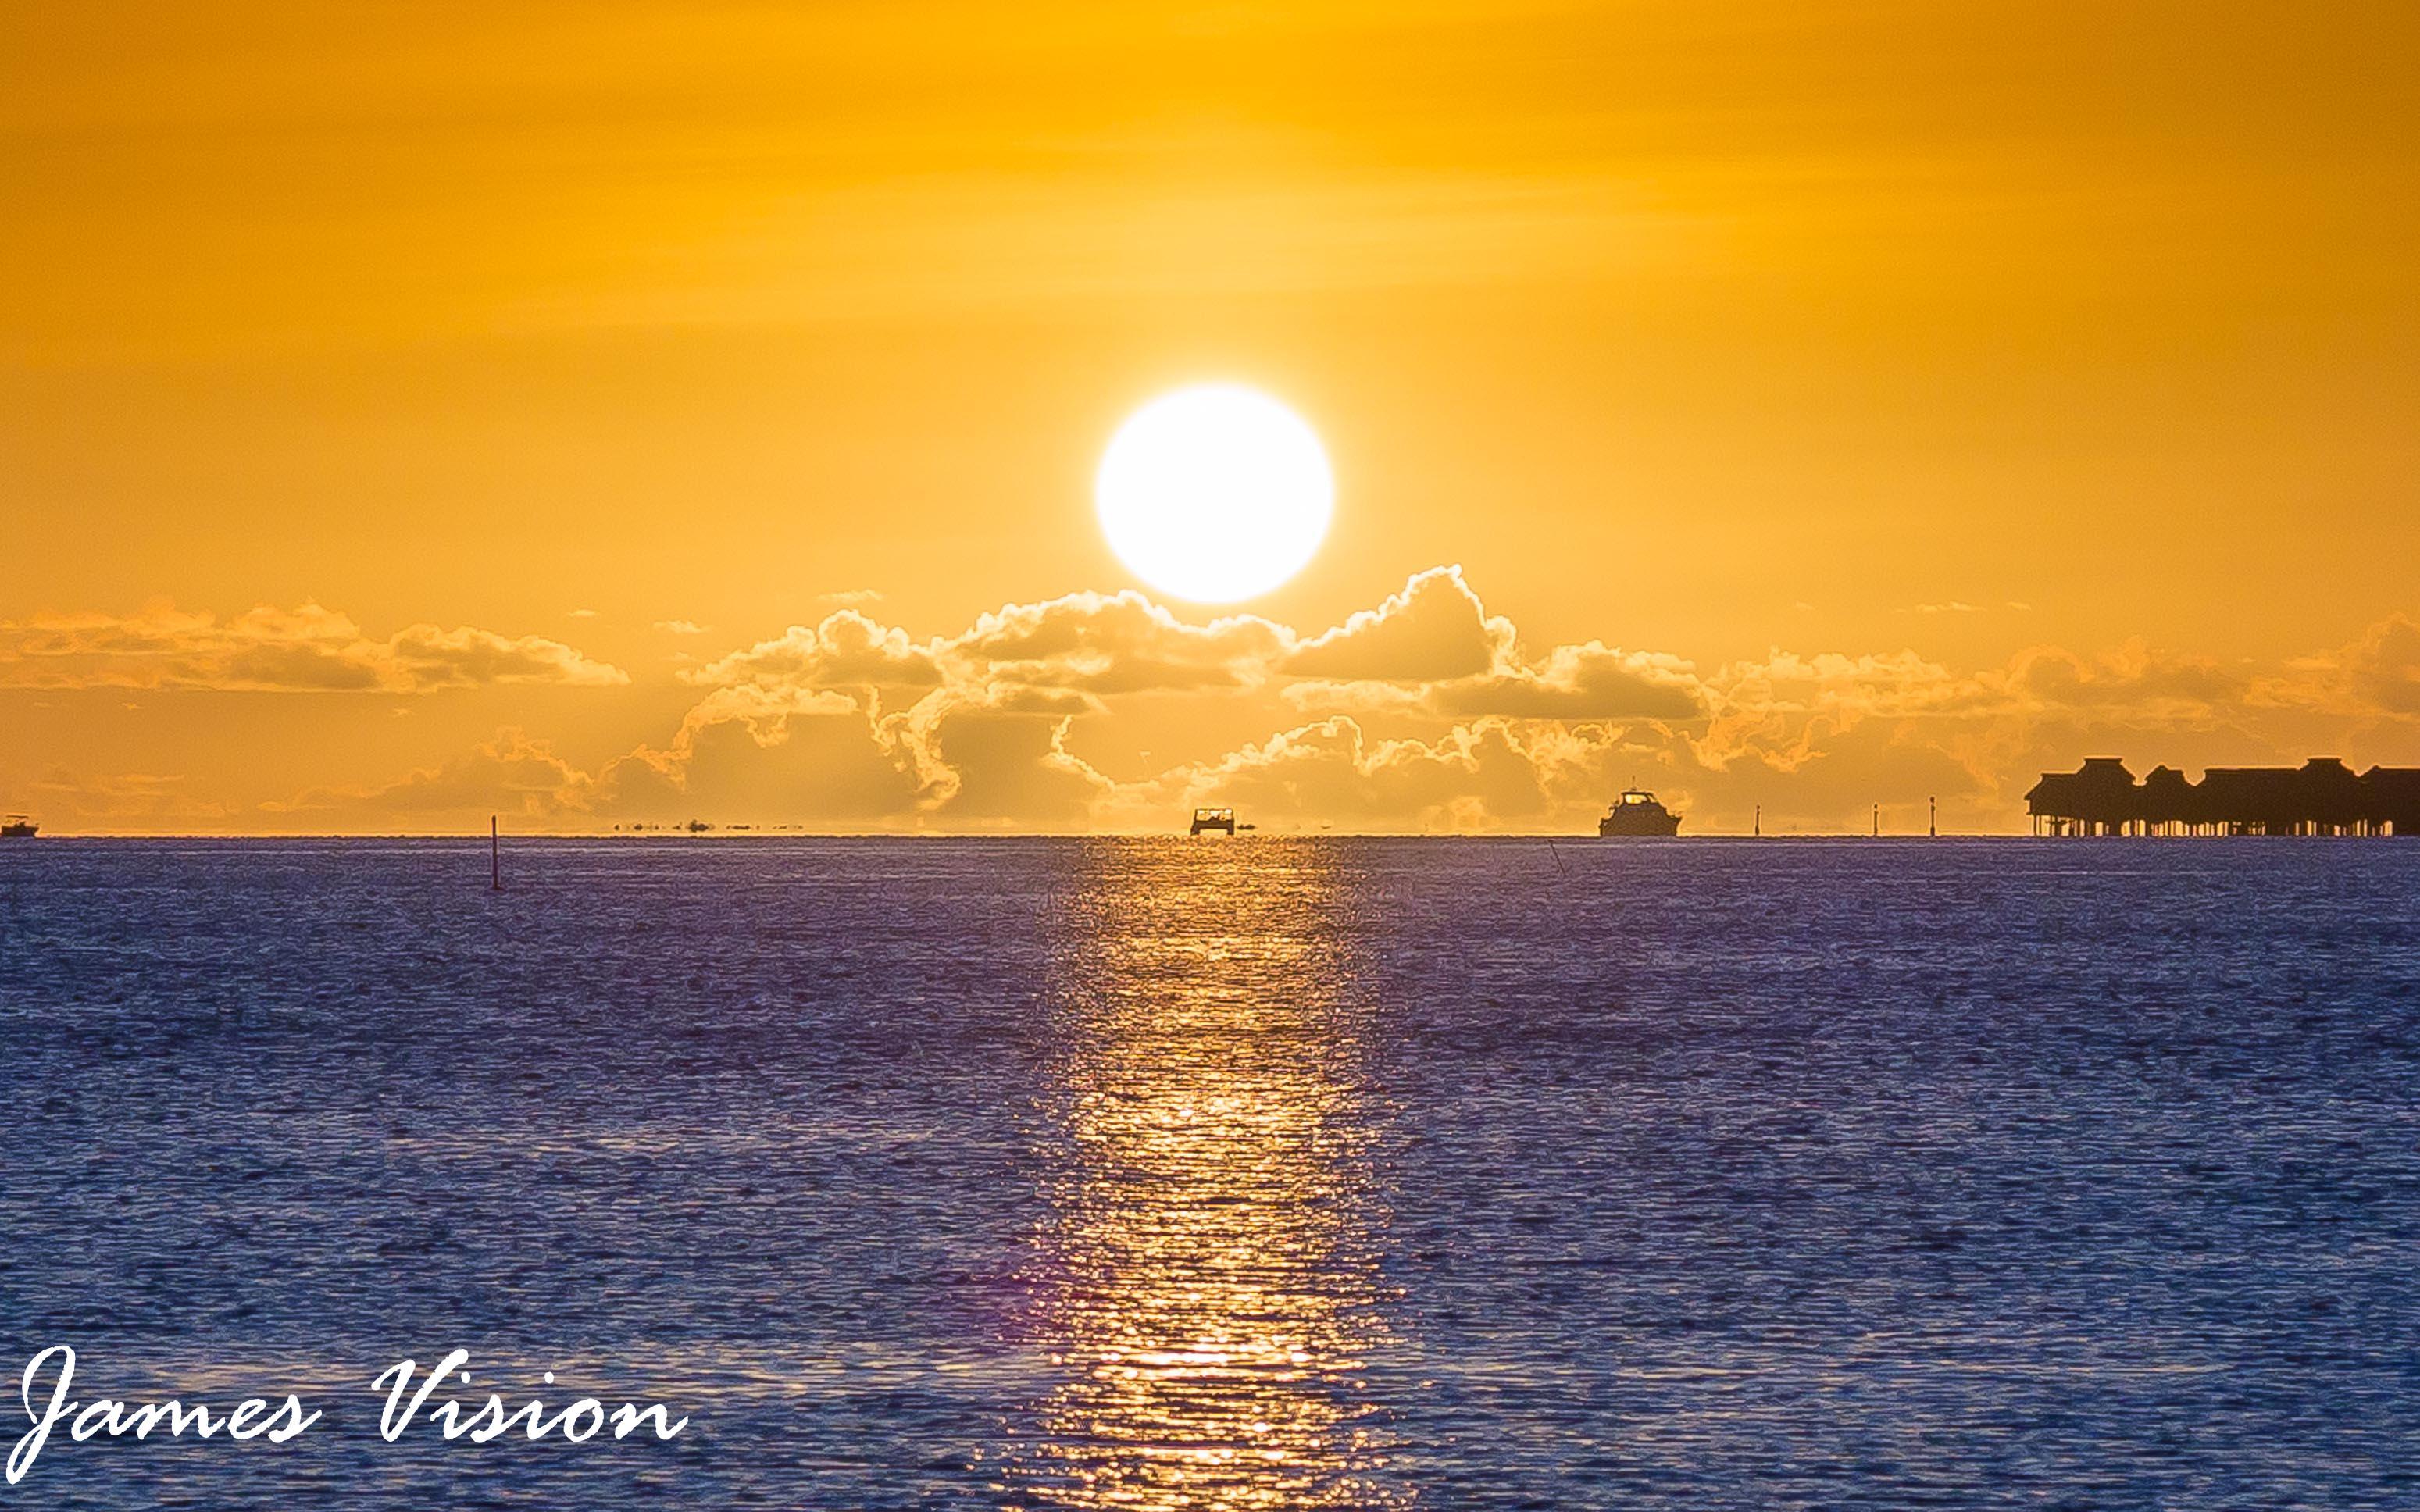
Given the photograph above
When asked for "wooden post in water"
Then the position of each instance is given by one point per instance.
(495, 858)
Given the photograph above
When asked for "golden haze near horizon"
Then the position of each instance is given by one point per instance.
(613, 413)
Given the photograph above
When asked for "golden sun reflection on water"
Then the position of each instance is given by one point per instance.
(1211, 1287)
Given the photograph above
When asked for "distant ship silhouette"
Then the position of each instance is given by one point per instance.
(1636, 813)
(1216, 821)
(17, 827)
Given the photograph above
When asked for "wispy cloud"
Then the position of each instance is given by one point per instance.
(309, 648)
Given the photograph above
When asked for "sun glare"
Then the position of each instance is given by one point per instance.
(1214, 493)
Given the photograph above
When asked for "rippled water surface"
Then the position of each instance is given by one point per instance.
(1268, 1174)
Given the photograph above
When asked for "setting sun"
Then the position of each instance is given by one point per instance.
(1214, 493)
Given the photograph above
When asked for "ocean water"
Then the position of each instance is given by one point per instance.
(1284, 1174)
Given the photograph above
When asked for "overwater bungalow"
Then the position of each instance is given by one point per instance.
(2323, 796)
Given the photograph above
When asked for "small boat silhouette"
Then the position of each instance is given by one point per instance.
(1636, 813)
(17, 827)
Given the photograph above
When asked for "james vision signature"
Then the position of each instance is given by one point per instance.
(408, 1401)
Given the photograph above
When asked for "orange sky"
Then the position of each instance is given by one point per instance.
(412, 412)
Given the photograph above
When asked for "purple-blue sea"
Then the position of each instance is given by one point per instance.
(1267, 1174)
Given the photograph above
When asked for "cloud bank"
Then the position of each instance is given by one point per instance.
(1423, 713)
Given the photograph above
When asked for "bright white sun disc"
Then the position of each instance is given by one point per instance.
(1214, 493)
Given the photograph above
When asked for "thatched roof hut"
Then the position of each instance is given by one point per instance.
(2100, 791)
